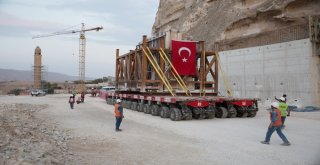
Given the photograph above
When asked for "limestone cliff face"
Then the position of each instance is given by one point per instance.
(229, 20)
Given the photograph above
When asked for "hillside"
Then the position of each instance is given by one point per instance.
(232, 24)
(22, 75)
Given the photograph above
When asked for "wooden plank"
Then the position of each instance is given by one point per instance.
(144, 64)
(117, 69)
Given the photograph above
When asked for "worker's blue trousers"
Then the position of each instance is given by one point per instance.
(118, 122)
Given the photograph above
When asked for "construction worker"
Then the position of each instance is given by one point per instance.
(118, 113)
(78, 100)
(284, 96)
(71, 101)
(283, 107)
(82, 97)
(275, 125)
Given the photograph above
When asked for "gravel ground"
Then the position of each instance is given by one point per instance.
(44, 130)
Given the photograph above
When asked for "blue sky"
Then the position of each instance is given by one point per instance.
(124, 23)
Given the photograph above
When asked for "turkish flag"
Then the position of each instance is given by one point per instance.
(184, 57)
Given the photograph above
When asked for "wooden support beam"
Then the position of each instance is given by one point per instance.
(144, 64)
(202, 68)
(216, 73)
(162, 64)
(135, 74)
(209, 66)
(117, 69)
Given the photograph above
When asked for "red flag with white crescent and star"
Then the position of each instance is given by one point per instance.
(184, 57)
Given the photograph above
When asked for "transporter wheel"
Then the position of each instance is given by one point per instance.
(128, 104)
(199, 114)
(232, 112)
(146, 109)
(112, 101)
(210, 115)
(124, 104)
(164, 112)
(211, 112)
(175, 114)
(140, 107)
(252, 114)
(134, 106)
(221, 112)
(186, 113)
(245, 114)
(155, 110)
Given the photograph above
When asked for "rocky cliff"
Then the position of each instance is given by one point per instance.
(236, 23)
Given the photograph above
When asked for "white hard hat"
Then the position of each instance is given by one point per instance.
(282, 99)
(275, 104)
(118, 101)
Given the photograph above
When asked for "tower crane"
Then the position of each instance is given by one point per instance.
(82, 50)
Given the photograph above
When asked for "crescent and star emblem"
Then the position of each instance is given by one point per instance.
(184, 49)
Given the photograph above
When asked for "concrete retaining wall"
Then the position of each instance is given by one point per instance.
(271, 70)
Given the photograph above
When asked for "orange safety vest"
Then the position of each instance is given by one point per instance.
(278, 121)
(116, 110)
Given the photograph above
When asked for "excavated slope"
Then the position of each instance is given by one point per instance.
(232, 21)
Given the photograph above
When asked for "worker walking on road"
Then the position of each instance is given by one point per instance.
(71, 101)
(283, 107)
(118, 112)
(82, 97)
(275, 125)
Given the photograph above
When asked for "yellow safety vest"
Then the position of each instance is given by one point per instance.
(283, 108)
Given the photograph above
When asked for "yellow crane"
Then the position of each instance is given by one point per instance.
(82, 50)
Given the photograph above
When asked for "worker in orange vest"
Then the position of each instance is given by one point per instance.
(118, 113)
(275, 125)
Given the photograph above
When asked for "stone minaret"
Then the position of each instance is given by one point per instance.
(37, 68)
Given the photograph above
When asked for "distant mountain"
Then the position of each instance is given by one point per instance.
(22, 75)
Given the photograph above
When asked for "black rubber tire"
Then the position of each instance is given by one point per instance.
(134, 106)
(196, 116)
(196, 113)
(210, 115)
(202, 116)
(124, 104)
(128, 104)
(110, 101)
(244, 115)
(140, 107)
(175, 114)
(211, 112)
(164, 112)
(221, 112)
(252, 114)
(155, 110)
(146, 108)
(232, 113)
(186, 114)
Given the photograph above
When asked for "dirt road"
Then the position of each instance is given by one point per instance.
(147, 139)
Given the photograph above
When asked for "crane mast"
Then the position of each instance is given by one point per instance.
(82, 51)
